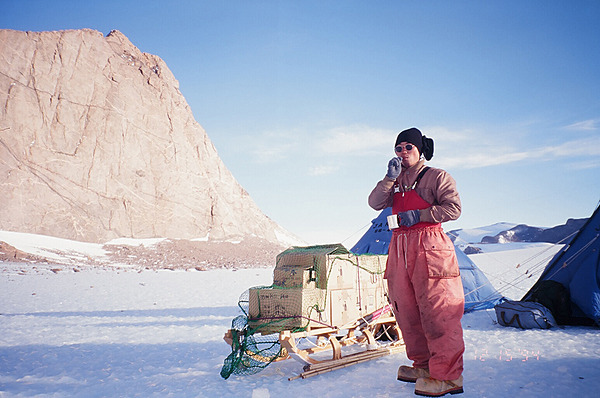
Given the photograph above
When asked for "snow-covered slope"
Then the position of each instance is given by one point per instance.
(156, 253)
(513, 268)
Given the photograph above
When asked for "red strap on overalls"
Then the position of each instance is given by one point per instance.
(410, 200)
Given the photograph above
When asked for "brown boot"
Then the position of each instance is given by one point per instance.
(429, 387)
(410, 374)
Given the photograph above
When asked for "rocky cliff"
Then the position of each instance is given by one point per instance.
(97, 142)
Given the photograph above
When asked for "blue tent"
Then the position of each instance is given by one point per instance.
(479, 292)
(577, 268)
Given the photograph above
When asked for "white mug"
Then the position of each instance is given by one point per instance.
(392, 220)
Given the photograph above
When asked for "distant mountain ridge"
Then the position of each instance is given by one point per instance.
(506, 232)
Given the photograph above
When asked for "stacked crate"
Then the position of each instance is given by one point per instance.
(317, 286)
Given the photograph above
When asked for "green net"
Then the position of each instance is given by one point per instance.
(314, 286)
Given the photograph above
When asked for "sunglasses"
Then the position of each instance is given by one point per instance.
(408, 147)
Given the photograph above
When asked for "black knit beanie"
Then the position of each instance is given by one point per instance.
(414, 136)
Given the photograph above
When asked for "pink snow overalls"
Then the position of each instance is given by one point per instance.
(426, 292)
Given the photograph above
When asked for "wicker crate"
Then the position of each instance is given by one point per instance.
(278, 309)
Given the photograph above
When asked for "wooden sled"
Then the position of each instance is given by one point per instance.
(323, 298)
(377, 334)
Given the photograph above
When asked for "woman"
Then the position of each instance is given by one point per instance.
(424, 283)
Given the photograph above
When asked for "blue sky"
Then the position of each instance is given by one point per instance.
(303, 99)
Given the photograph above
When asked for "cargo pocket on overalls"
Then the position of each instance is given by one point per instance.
(441, 258)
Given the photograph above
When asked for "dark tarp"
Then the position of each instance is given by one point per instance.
(577, 268)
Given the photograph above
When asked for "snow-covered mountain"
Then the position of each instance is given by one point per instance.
(506, 232)
(475, 235)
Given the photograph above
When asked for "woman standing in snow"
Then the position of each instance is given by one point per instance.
(422, 272)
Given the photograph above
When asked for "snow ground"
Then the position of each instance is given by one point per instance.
(126, 333)
(513, 272)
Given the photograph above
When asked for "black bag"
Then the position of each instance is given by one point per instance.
(555, 297)
(524, 315)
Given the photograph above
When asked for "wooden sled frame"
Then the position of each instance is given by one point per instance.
(334, 339)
